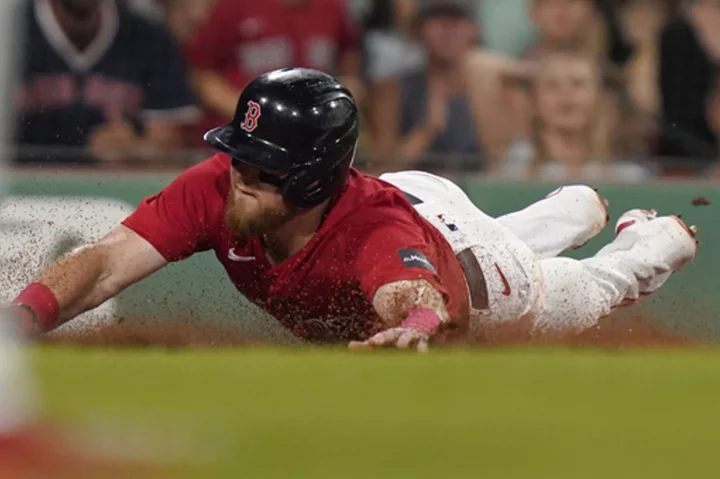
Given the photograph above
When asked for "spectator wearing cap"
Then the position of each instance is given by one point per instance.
(451, 106)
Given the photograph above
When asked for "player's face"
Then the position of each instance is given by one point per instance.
(447, 39)
(561, 20)
(566, 92)
(253, 207)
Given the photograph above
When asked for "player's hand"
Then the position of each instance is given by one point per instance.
(401, 338)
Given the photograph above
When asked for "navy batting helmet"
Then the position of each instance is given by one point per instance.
(299, 127)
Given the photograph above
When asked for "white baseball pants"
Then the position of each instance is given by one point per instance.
(533, 292)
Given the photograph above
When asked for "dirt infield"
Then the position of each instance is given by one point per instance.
(622, 329)
(148, 333)
(625, 330)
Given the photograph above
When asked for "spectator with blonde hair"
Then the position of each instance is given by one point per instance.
(571, 134)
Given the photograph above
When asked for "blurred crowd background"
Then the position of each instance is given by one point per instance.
(622, 90)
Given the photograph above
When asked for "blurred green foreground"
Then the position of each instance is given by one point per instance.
(334, 414)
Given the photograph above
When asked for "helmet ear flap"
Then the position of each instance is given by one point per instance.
(311, 186)
(303, 189)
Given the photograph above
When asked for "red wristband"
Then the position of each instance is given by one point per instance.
(424, 320)
(43, 304)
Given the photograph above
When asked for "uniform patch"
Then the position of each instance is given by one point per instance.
(413, 258)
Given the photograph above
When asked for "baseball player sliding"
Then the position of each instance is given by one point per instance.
(338, 256)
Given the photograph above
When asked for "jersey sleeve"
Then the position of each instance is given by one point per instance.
(211, 46)
(396, 252)
(175, 221)
(167, 87)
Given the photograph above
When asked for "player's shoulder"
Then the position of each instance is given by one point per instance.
(372, 189)
(369, 203)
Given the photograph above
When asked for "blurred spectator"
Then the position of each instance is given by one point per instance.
(592, 29)
(642, 21)
(589, 27)
(559, 25)
(453, 105)
(97, 75)
(564, 25)
(182, 17)
(635, 36)
(153, 10)
(241, 39)
(689, 53)
(389, 46)
(571, 129)
(506, 26)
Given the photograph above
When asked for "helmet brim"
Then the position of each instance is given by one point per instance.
(248, 149)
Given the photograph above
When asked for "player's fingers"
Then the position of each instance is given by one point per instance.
(385, 338)
(377, 340)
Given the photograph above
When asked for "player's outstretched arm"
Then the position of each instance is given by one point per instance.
(85, 278)
(413, 310)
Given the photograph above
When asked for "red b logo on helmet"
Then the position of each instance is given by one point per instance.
(251, 117)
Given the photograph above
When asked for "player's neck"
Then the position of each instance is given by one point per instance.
(295, 234)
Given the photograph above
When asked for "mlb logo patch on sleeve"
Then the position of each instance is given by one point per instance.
(413, 258)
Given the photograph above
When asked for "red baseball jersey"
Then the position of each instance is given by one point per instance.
(242, 39)
(372, 236)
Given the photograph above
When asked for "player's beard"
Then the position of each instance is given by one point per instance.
(245, 222)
